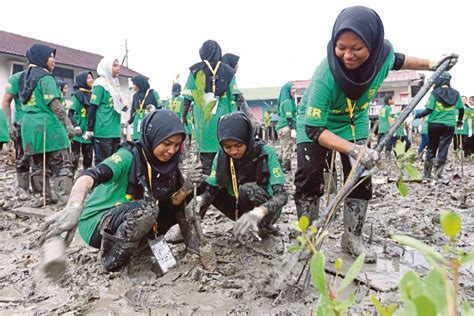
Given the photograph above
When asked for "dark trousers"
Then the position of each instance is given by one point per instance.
(115, 217)
(87, 154)
(469, 146)
(104, 148)
(388, 146)
(58, 163)
(423, 143)
(439, 139)
(206, 160)
(22, 162)
(309, 177)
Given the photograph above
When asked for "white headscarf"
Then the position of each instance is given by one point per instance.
(109, 83)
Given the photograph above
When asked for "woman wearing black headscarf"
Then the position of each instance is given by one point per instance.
(445, 110)
(138, 192)
(246, 182)
(334, 114)
(144, 101)
(45, 128)
(78, 113)
(211, 86)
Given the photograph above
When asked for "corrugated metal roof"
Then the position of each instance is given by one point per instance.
(263, 93)
(14, 44)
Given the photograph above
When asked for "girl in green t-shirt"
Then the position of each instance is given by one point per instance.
(79, 115)
(385, 121)
(45, 127)
(335, 115)
(246, 183)
(445, 110)
(145, 100)
(137, 193)
(286, 125)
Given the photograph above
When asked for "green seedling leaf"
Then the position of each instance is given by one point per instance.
(409, 309)
(467, 258)
(412, 172)
(410, 286)
(318, 274)
(295, 248)
(303, 223)
(468, 310)
(314, 230)
(402, 188)
(381, 309)
(399, 148)
(347, 303)
(208, 110)
(338, 264)
(296, 226)
(424, 306)
(426, 250)
(451, 224)
(201, 80)
(301, 240)
(411, 155)
(435, 289)
(352, 273)
(321, 237)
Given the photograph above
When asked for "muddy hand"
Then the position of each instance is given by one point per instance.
(63, 221)
(194, 176)
(453, 59)
(369, 157)
(248, 222)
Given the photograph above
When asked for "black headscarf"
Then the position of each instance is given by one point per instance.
(443, 91)
(253, 166)
(368, 26)
(176, 89)
(231, 60)
(211, 51)
(82, 91)
(37, 57)
(61, 84)
(142, 84)
(156, 128)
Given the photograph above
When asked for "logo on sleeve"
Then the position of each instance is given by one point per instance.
(314, 112)
(116, 158)
(277, 172)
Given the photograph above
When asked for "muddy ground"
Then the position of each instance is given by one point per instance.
(239, 287)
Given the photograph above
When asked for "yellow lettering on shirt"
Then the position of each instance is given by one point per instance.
(93, 97)
(83, 112)
(364, 106)
(31, 101)
(314, 112)
(440, 107)
(277, 172)
(49, 96)
(371, 92)
(116, 158)
(9, 85)
(111, 102)
(213, 174)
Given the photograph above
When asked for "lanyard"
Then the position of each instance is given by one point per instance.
(235, 186)
(213, 71)
(142, 104)
(351, 108)
(149, 169)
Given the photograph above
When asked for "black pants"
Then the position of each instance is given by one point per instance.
(22, 161)
(309, 177)
(206, 161)
(87, 154)
(113, 218)
(388, 146)
(58, 163)
(469, 146)
(440, 137)
(104, 148)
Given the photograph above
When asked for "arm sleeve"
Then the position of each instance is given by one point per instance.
(278, 200)
(70, 114)
(186, 106)
(208, 196)
(423, 113)
(92, 116)
(291, 124)
(133, 111)
(100, 174)
(399, 61)
(460, 115)
(314, 132)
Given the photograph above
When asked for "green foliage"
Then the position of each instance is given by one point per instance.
(404, 164)
(383, 311)
(402, 187)
(352, 273)
(451, 224)
(205, 101)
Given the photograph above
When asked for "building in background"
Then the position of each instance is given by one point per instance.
(69, 62)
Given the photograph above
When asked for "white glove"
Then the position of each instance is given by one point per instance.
(191, 207)
(249, 221)
(77, 131)
(88, 135)
(293, 133)
(434, 64)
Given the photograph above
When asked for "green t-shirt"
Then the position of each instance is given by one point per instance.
(205, 131)
(81, 117)
(301, 136)
(175, 104)
(140, 115)
(107, 120)
(446, 115)
(107, 195)
(276, 173)
(468, 116)
(401, 129)
(328, 105)
(384, 118)
(37, 115)
(12, 88)
(4, 133)
(286, 111)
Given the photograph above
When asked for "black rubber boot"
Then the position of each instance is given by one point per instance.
(428, 166)
(308, 206)
(439, 169)
(355, 211)
(23, 179)
(116, 251)
(62, 187)
(37, 186)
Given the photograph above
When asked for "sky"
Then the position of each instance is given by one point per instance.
(277, 41)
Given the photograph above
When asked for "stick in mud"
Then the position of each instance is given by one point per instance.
(279, 276)
(44, 163)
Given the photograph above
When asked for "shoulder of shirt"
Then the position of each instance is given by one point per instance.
(269, 150)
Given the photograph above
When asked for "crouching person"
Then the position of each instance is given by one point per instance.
(137, 193)
(246, 182)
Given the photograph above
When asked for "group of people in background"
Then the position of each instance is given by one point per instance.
(136, 188)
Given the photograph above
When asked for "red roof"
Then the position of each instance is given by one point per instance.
(14, 44)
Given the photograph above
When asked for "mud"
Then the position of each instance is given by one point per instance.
(240, 284)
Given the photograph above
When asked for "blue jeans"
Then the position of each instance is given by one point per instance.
(424, 143)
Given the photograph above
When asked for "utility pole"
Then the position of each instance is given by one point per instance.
(125, 58)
